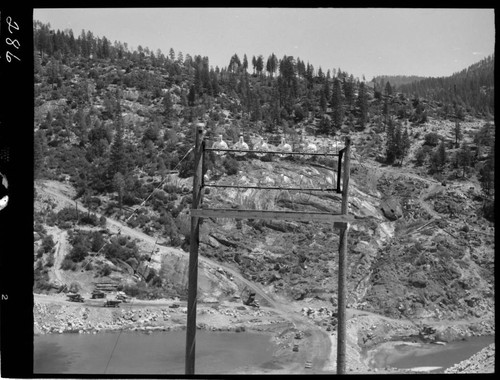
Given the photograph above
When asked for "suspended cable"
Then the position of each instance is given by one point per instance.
(142, 203)
(119, 230)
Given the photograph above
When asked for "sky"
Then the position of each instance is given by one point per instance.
(362, 41)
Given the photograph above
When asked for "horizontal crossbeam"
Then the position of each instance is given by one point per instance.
(270, 187)
(271, 152)
(340, 220)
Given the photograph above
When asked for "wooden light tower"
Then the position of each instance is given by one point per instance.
(340, 221)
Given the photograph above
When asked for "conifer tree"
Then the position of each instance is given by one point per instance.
(167, 105)
(390, 142)
(119, 187)
(438, 158)
(464, 158)
(245, 62)
(337, 104)
(260, 64)
(405, 144)
(39, 152)
(363, 103)
(118, 158)
(388, 88)
(322, 101)
(458, 133)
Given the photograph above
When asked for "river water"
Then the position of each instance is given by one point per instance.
(156, 353)
(420, 355)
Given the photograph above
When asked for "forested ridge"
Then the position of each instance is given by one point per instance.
(471, 89)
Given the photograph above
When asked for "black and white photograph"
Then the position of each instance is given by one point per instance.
(265, 191)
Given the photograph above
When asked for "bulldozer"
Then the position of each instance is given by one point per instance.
(98, 294)
(75, 297)
(425, 332)
(248, 297)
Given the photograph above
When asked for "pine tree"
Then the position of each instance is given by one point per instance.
(234, 63)
(322, 101)
(464, 158)
(405, 144)
(487, 178)
(260, 64)
(442, 154)
(191, 96)
(363, 103)
(386, 110)
(214, 82)
(39, 152)
(398, 142)
(388, 88)
(325, 126)
(167, 105)
(348, 86)
(118, 162)
(438, 158)
(337, 104)
(119, 187)
(326, 91)
(391, 144)
(458, 133)
(245, 62)
(271, 64)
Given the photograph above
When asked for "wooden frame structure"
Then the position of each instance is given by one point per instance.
(340, 221)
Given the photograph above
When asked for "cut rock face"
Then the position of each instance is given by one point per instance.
(391, 208)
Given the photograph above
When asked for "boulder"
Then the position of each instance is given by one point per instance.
(391, 207)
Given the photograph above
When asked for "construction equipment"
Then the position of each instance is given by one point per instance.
(112, 303)
(122, 297)
(251, 301)
(75, 297)
(106, 286)
(98, 294)
(425, 332)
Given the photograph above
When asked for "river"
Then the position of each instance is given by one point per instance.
(424, 355)
(156, 353)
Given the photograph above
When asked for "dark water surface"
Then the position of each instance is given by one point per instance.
(156, 353)
(431, 355)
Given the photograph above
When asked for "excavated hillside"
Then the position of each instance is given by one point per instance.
(418, 262)
(418, 248)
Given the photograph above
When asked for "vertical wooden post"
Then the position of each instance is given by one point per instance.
(193, 256)
(342, 280)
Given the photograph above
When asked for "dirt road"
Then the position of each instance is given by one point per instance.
(60, 237)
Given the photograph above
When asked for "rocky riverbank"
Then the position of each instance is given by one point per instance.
(93, 317)
(365, 331)
(482, 362)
